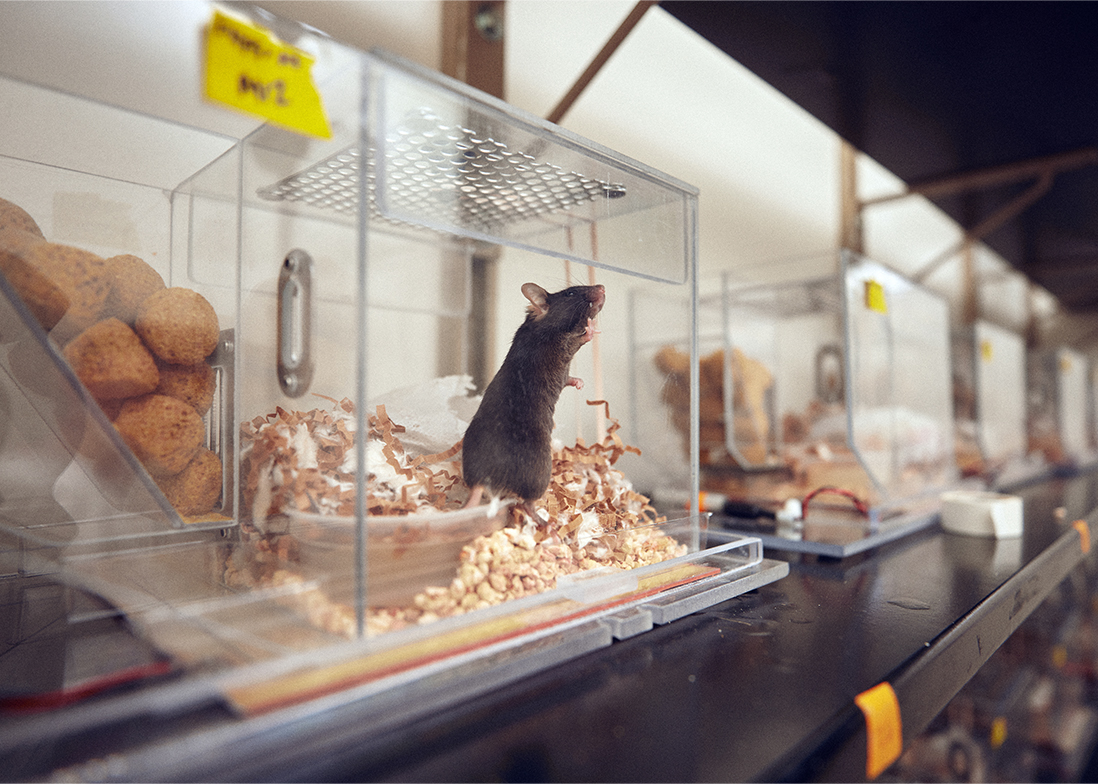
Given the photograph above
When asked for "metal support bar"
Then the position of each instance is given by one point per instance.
(970, 299)
(473, 36)
(472, 43)
(1033, 324)
(596, 65)
(850, 209)
(997, 175)
(997, 219)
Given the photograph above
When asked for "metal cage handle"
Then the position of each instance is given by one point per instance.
(295, 318)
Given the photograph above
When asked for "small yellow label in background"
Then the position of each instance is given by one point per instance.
(875, 296)
(1084, 535)
(985, 350)
(1059, 656)
(250, 70)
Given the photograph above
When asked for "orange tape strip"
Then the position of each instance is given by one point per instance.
(1084, 535)
(883, 728)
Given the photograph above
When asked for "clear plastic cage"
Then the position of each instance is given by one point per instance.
(295, 485)
(811, 396)
(989, 395)
(1057, 406)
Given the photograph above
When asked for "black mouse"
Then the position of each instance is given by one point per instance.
(507, 447)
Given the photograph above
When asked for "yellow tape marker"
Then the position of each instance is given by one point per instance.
(883, 728)
(985, 350)
(1084, 535)
(875, 296)
(250, 70)
(998, 734)
(701, 501)
(1059, 656)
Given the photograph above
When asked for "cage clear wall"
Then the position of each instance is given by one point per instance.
(1056, 411)
(989, 396)
(341, 275)
(815, 377)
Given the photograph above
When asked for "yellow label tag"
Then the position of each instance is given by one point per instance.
(875, 296)
(250, 70)
(985, 350)
(1084, 535)
(1059, 656)
(883, 728)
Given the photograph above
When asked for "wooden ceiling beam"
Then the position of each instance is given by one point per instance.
(599, 61)
(1006, 174)
(997, 219)
(473, 39)
(473, 43)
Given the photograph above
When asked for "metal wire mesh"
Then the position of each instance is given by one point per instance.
(448, 173)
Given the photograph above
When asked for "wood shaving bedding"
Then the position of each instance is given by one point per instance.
(512, 563)
(307, 461)
(507, 564)
(591, 517)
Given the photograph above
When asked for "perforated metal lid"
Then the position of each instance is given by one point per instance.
(444, 173)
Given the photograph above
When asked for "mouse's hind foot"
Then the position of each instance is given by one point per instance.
(475, 494)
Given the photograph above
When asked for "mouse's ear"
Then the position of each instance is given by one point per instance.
(539, 298)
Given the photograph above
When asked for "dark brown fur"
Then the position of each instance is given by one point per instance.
(507, 446)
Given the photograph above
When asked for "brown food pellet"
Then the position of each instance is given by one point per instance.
(197, 487)
(12, 216)
(18, 240)
(178, 325)
(132, 282)
(111, 361)
(163, 432)
(81, 276)
(193, 384)
(42, 296)
(111, 407)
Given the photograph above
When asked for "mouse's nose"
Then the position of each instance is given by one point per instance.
(597, 294)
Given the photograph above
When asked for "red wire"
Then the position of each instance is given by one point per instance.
(859, 504)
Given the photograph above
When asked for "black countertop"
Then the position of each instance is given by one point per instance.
(761, 686)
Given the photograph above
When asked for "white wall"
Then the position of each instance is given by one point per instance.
(673, 101)
(768, 172)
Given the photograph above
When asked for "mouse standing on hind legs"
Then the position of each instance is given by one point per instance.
(508, 446)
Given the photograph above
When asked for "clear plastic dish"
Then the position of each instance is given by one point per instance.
(403, 553)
